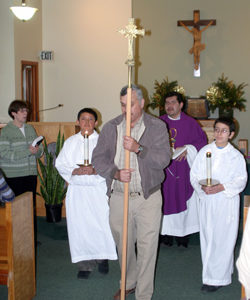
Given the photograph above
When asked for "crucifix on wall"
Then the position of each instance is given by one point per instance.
(196, 32)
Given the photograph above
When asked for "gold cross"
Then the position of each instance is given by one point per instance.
(130, 32)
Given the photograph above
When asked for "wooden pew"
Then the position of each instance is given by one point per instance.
(17, 255)
(246, 207)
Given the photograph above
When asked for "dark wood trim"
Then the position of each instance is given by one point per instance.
(35, 88)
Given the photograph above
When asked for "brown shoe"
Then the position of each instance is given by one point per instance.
(117, 295)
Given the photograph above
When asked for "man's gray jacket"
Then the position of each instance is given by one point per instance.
(152, 160)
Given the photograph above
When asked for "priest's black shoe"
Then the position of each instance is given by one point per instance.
(167, 240)
(210, 288)
(83, 274)
(103, 267)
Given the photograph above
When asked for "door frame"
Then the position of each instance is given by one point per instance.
(34, 89)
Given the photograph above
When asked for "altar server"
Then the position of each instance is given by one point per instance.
(87, 209)
(243, 262)
(219, 204)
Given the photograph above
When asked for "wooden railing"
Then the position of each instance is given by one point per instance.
(50, 131)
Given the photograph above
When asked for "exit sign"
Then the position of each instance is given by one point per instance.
(46, 55)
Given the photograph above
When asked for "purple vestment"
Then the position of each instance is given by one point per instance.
(176, 189)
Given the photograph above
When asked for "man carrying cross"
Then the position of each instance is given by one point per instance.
(150, 154)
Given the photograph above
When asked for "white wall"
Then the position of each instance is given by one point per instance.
(165, 51)
(88, 69)
(28, 44)
(7, 71)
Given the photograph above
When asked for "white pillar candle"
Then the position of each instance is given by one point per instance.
(86, 148)
(209, 167)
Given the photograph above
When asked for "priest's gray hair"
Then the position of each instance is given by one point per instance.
(135, 88)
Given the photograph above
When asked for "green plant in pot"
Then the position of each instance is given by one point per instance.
(226, 96)
(161, 90)
(52, 186)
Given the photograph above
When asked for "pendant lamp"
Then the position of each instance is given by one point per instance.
(23, 12)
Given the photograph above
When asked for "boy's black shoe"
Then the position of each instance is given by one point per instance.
(182, 241)
(103, 267)
(83, 274)
(210, 288)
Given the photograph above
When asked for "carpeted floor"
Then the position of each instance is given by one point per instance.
(178, 272)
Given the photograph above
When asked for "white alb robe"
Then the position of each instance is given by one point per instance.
(87, 209)
(187, 221)
(219, 213)
(243, 262)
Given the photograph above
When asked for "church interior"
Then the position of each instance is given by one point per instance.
(85, 67)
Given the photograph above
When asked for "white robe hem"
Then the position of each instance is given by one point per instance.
(216, 282)
(180, 233)
(93, 257)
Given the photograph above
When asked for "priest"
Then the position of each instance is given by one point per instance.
(180, 205)
(87, 210)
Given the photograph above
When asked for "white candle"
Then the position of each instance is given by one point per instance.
(209, 166)
(86, 148)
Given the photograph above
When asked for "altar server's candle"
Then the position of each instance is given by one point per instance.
(86, 148)
(208, 159)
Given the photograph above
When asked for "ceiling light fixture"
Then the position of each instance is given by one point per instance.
(23, 12)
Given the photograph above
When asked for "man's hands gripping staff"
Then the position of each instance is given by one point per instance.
(130, 144)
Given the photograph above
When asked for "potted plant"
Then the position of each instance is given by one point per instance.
(53, 187)
(226, 96)
(161, 90)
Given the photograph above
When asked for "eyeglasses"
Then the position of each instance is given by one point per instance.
(223, 130)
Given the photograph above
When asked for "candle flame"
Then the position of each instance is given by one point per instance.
(208, 154)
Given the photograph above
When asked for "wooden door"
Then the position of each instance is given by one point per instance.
(30, 92)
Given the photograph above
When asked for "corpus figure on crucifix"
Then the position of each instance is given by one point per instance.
(196, 32)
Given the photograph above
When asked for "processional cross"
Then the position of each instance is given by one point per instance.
(196, 32)
(130, 32)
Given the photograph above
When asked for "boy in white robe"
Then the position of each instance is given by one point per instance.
(219, 204)
(87, 210)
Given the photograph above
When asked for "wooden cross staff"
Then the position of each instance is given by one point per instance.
(130, 32)
(196, 32)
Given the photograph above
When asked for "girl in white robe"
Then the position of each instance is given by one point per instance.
(219, 206)
(87, 209)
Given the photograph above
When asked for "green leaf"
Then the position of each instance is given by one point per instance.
(52, 185)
